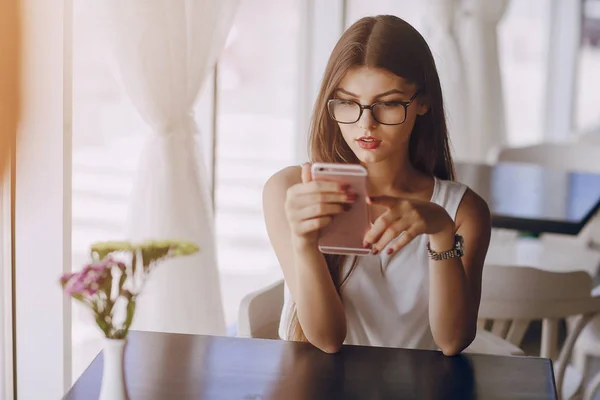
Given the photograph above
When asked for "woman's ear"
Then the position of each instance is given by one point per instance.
(423, 107)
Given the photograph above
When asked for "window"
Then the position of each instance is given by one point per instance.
(523, 43)
(107, 136)
(587, 116)
(255, 136)
(257, 92)
(522, 35)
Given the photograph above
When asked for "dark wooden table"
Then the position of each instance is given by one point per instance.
(171, 366)
(531, 198)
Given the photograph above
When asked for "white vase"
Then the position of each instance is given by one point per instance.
(113, 376)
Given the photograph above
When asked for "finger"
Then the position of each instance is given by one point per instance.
(307, 199)
(318, 210)
(314, 187)
(395, 230)
(379, 226)
(312, 225)
(323, 186)
(385, 201)
(404, 239)
(306, 174)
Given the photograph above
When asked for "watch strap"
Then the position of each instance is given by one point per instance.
(456, 252)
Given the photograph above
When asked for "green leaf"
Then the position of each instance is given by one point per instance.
(183, 248)
(103, 325)
(102, 249)
(153, 251)
(108, 306)
(107, 285)
(134, 257)
(79, 297)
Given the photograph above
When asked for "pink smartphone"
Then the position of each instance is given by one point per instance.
(346, 232)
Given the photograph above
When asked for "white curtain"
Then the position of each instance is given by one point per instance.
(442, 39)
(477, 23)
(164, 50)
(463, 37)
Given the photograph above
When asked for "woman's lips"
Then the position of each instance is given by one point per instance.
(368, 142)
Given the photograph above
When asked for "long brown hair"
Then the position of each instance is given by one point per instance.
(390, 43)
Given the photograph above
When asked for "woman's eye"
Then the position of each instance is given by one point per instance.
(391, 104)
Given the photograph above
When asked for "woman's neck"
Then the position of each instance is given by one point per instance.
(393, 176)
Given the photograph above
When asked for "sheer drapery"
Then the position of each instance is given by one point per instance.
(442, 38)
(164, 50)
(477, 27)
(463, 37)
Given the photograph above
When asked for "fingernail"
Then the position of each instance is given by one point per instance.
(389, 251)
(366, 245)
(344, 186)
(351, 196)
(375, 251)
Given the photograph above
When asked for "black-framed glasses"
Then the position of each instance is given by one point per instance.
(384, 112)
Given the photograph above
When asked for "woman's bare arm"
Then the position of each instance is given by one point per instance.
(319, 307)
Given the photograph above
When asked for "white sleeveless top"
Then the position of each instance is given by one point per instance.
(386, 298)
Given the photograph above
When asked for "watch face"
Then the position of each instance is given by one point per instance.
(460, 244)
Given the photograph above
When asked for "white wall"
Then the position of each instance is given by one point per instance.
(42, 204)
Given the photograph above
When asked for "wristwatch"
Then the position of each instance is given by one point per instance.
(456, 252)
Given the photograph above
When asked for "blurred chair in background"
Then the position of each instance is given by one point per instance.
(580, 252)
(260, 312)
(512, 296)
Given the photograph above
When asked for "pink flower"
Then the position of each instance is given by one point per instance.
(89, 280)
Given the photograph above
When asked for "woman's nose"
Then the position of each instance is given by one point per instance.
(366, 120)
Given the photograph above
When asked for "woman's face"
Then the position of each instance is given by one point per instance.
(370, 140)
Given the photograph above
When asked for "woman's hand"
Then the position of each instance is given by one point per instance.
(406, 219)
(311, 205)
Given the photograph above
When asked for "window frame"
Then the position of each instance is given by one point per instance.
(42, 202)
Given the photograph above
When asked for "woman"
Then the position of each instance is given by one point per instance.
(380, 105)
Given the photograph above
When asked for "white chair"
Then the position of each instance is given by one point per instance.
(260, 312)
(590, 137)
(587, 345)
(583, 249)
(512, 296)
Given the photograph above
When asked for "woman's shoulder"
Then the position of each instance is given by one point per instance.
(448, 190)
(470, 205)
(284, 179)
(459, 200)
